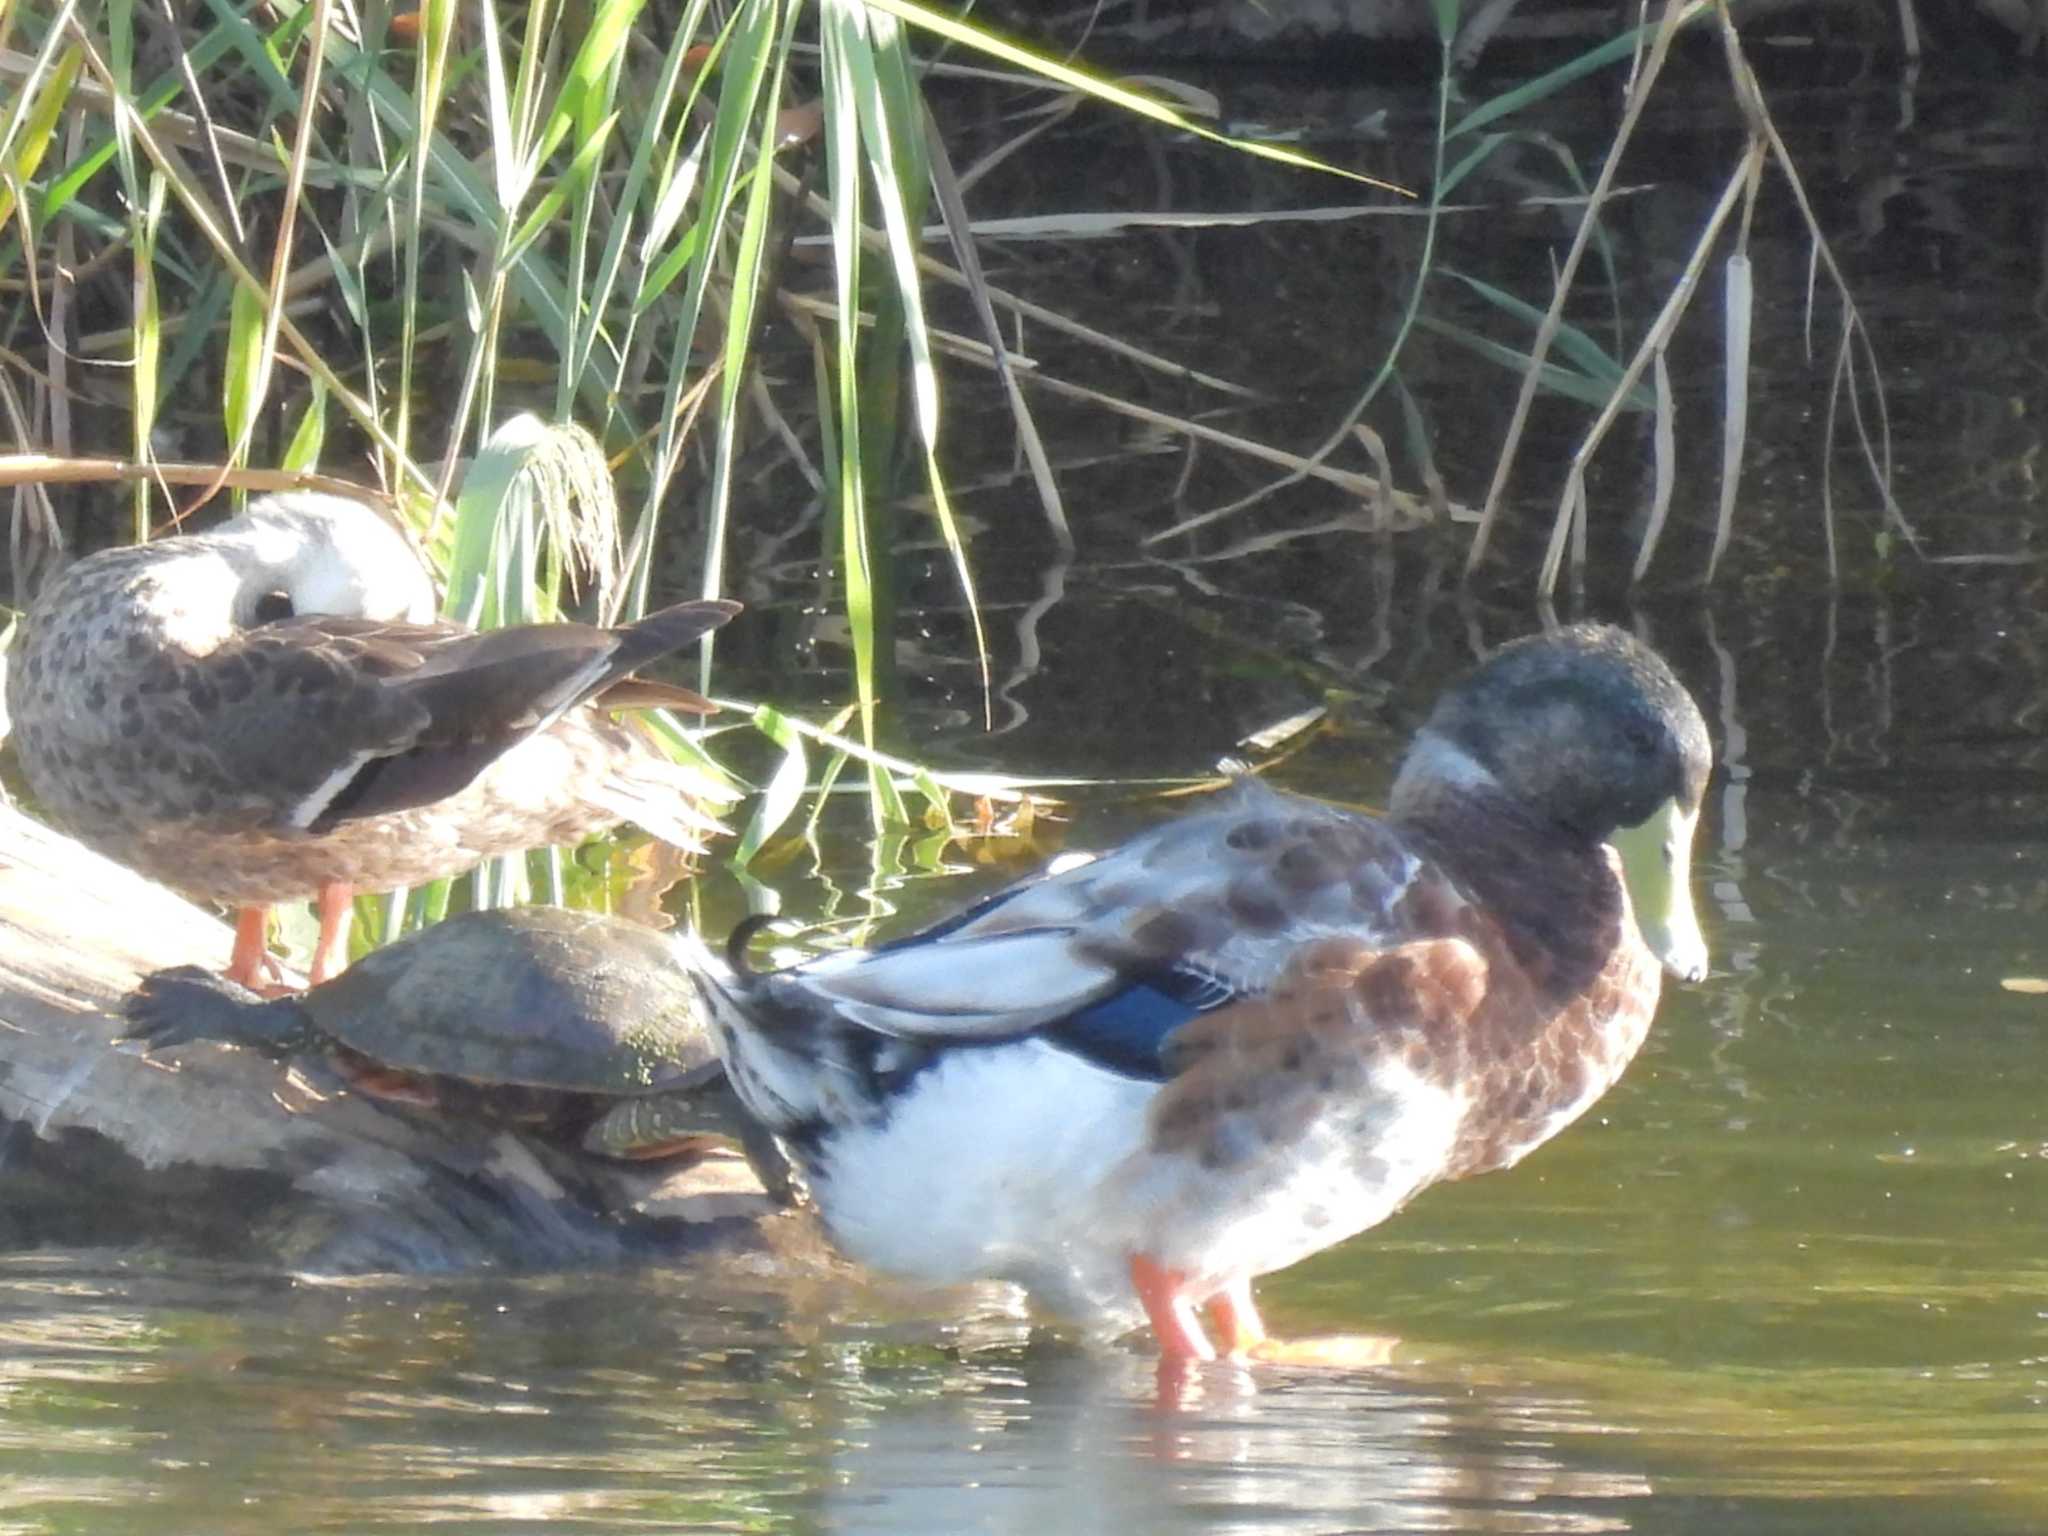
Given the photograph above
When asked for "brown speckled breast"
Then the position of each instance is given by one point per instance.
(1522, 989)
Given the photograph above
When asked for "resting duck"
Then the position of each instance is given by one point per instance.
(1255, 1031)
(271, 711)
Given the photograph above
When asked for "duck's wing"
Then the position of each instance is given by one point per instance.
(348, 718)
(1111, 958)
(1260, 1072)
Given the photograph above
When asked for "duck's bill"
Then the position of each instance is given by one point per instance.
(1656, 864)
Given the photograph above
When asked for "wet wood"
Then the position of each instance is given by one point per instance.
(223, 1151)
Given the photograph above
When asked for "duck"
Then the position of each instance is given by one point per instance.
(1136, 1083)
(270, 711)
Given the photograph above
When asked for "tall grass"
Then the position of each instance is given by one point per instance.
(299, 238)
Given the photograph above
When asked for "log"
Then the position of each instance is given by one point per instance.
(222, 1152)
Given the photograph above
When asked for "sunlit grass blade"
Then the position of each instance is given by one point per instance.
(676, 181)
(588, 105)
(902, 771)
(1469, 162)
(548, 206)
(240, 383)
(224, 248)
(1738, 305)
(148, 381)
(1585, 237)
(1664, 453)
(583, 101)
(536, 499)
(664, 199)
(749, 48)
(430, 79)
(938, 803)
(310, 435)
(507, 164)
(317, 19)
(1044, 66)
(839, 394)
(30, 126)
(742, 294)
(784, 790)
(201, 53)
(953, 204)
(893, 130)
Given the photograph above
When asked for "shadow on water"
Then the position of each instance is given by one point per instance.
(1789, 1276)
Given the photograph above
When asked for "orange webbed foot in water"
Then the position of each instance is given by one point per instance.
(1239, 1328)
(1170, 1309)
(1240, 1331)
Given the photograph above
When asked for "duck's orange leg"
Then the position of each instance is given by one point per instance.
(330, 951)
(1238, 1326)
(249, 964)
(1170, 1309)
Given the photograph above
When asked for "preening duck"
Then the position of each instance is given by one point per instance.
(271, 711)
(1257, 1030)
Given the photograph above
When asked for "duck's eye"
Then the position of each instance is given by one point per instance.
(272, 606)
(1641, 737)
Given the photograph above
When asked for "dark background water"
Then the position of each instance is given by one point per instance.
(1789, 1276)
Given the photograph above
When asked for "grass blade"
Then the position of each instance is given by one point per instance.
(785, 788)
(1739, 296)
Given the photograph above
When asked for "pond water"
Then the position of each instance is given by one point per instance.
(1790, 1276)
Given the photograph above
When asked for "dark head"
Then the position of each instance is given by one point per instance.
(1587, 730)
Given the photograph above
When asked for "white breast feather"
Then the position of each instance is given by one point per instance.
(989, 1165)
(1354, 1166)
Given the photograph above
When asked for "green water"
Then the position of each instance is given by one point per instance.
(1788, 1276)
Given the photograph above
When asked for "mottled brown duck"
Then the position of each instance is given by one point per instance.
(270, 711)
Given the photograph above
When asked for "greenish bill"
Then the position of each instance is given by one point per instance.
(1656, 865)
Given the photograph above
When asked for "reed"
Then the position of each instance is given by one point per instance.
(515, 264)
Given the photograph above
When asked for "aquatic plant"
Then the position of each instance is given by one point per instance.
(268, 240)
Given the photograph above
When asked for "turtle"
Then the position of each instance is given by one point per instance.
(580, 1027)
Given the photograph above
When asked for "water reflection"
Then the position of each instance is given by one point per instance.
(1568, 1371)
(1068, 1442)
(485, 1406)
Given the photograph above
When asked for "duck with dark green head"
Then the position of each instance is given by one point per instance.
(1258, 1030)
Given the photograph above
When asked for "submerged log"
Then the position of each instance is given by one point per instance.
(219, 1150)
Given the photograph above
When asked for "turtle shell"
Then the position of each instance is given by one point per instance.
(530, 996)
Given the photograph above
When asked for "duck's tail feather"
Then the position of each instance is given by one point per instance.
(661, 804)
(664, 796)
(781, 1071)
